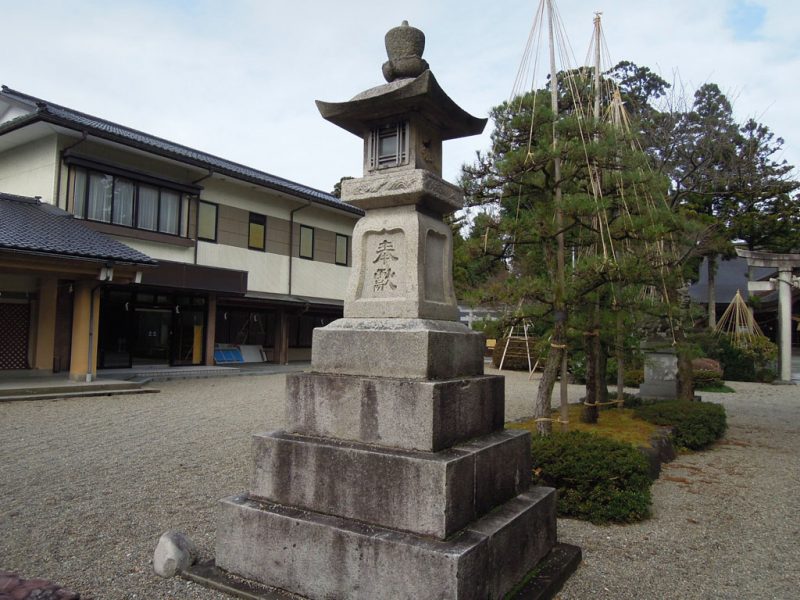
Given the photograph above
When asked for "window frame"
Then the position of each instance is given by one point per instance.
(253, 219)
(216, 221)
(87, 171)
(346, 239)
(400, 131)
(300, 242)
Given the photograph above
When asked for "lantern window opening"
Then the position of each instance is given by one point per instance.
(389, 146)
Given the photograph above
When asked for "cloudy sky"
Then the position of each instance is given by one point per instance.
(238, 78)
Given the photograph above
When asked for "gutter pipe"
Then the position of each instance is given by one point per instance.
(291, 239)
(84, 135)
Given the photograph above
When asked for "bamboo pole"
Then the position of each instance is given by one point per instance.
(560, 329)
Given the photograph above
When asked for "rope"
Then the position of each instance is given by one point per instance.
(617, 402)
(551, 420)
(558, 346)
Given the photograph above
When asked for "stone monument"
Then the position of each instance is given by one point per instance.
(660, 371)
(394, 477)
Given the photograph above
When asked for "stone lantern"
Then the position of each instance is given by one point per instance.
(395, 477)
(402, 251)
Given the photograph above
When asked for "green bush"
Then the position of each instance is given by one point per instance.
(633, 377)
(739, 364)
(706, 378)
(631, 400)
(696, 425)
(598, 479)
(766, 375)
(491, 328)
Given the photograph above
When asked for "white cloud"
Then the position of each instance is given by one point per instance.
(239, 78)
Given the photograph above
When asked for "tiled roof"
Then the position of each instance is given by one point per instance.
(54, 113)
(731, 275)
(30, 225)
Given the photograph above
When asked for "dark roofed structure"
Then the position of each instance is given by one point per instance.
(32, 226)
(731, 276)
(67, 117)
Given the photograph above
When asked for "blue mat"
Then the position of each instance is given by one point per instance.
(227, 356)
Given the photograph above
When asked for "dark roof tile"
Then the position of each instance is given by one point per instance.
(100, 127)
(30, 225)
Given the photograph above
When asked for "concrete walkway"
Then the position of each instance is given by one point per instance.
(29, 385)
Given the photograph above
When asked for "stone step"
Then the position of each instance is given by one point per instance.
(80, 394)
(433, 494)
(66, 388)
(399, 413)
(280, 546)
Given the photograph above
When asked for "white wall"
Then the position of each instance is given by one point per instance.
(318, 279)
(326, 219)
(244, 197)
(30, 169)
(267, 272)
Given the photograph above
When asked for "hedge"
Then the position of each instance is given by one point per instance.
(696, 425)
(706, 378)
(598, 479)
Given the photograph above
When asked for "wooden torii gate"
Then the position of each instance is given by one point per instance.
(784, 263)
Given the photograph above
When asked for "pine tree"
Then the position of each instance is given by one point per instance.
(615, 220)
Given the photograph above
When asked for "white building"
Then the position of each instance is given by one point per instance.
(243, 257)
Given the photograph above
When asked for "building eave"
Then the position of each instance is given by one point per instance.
(159, 147)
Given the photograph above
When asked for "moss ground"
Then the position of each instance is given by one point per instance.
(616, 423)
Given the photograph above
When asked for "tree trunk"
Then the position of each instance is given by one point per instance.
(542, 408)
(602, 366)
(685, 379)
(593, 378)
(712, 291)
(620, 354)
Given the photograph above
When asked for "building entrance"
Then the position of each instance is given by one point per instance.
(145, 328)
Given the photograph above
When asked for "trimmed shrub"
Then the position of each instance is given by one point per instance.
(707, 364)
(766, 375)
(598, 479)
(739, 364)
(696, 425)
(706, 378)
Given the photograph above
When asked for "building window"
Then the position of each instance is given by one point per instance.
(342, 241)
(169, 211)
(388, 146)
(121, 201)
(306, 242)
(124, 194)
(207, 221)
(257, 232)
(148, 208)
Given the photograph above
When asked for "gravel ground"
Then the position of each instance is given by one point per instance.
(88, 486)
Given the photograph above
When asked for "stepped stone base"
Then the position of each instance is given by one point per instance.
(426, 493)
(412, 348)
(401, 413)
(659, 390)
(320, 556)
